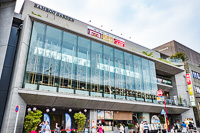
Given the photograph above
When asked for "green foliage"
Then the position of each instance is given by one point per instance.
(179, 55)
(164, 60)
(36, 14)
(146, 53)
(131, 126)
(180, 99)
(162, 119)
(80, 121)
(32, 120)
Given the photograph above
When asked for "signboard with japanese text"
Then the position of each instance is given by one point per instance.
(106, 36)
(190, 90)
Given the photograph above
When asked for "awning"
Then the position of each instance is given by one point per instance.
(41, 98)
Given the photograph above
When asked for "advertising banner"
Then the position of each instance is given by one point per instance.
(106, 36)
(46, 118)
(100, 114)
(161, 98)
(68, 122)
(109, 115)
(190, 89)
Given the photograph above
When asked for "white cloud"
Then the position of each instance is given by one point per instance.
(149, 23)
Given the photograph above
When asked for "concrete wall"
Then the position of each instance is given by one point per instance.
(16, 83)
(6, 18)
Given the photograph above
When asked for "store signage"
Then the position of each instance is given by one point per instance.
(190, 89)
(188, 78)
(196, 75)
(100, 114)
(68, 122)
(46, 117)
(160, 98)
(106, 36)
(109, 115)
(159, 93)
(53, 12)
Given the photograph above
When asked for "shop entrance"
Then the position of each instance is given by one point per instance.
(55, 119)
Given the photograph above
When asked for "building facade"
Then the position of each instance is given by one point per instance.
(63, 66)
(192, 67)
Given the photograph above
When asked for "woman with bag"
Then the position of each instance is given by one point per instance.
(47, 129)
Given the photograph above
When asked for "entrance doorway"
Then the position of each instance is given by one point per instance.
(55, 119)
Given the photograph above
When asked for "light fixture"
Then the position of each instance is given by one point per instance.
(85, 110)
(34, 108)
(53, 109)
(80, 112)
(47, 110)
(29, 109)
(70, 110)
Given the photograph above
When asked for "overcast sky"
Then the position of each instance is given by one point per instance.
(148, 22)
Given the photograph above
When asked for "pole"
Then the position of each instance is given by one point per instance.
(16, 122)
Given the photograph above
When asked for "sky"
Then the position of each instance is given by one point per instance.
(149, 23)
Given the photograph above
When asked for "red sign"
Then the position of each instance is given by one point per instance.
(188, 79)
(94, 33)
(17, 108)
(119, 42)
(159, 93)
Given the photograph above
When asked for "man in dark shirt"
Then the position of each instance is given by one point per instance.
(190, 127)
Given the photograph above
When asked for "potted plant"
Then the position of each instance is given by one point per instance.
(131, 127)
(80, 119)
(32, 120)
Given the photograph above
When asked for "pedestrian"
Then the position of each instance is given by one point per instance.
(100, 128)
(190, 127)
(175, 128)
(43, 126)
(34, 131)
(121, 128)
(47, 129)
(184, 128)
(57, 128)
(141, 127)
(159, 128)
(146, 127)
(136, 127)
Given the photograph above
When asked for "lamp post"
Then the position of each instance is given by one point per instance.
(160, 94)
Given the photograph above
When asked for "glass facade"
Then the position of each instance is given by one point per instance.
(59, 61)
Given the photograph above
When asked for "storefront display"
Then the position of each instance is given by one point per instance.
(109, 115)
(100, 114)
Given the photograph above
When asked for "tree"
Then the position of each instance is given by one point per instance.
(32, 120)
(146, 53)
(80, 121)
(179, 55)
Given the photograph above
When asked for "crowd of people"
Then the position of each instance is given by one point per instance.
(45, 128)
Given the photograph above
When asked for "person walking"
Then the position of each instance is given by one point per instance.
(43, 126)
(57, 128)
(184, 128)
(175, 128)
(159, 128)
(136, 127)
(190, 127)
(121, 128)
(47, 129)
(100, 128)
(141, 127)
(146, 127)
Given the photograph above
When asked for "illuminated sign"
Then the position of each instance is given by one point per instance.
(196, 75)
(106, 36)
(53, 12)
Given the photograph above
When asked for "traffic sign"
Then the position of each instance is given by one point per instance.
(17, 108)
(163, 112)
(159, 93)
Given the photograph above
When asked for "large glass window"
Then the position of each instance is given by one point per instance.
(59, 61)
